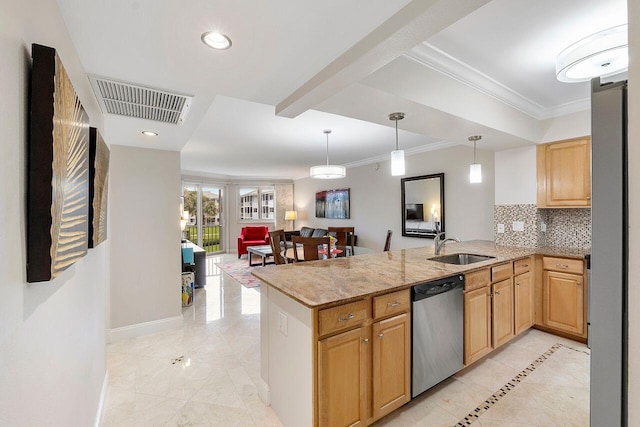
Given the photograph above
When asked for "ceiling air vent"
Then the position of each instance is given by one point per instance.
(125, 99)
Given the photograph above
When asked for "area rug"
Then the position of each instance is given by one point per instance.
(241, 272)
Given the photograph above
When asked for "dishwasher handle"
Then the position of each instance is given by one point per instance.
(431, 289)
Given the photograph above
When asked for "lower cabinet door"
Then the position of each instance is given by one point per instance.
(503, 324)
(477, 324)
(391, 364)
(342, 379)
(563, 302)
(524, 302)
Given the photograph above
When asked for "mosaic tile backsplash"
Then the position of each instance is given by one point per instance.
(566, 228)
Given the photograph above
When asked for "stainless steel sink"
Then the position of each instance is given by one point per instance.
(461, 259)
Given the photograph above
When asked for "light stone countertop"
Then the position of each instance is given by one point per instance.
(322, 283)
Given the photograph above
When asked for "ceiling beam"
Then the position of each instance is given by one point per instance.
(413, 24)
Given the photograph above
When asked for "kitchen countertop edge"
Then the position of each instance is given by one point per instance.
(379, 264)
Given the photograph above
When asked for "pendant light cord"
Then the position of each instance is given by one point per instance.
(327, 149)
(396, 135)
(474, 152)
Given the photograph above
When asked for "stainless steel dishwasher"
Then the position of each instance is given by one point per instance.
(437, 325)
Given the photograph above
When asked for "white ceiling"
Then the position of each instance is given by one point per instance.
(485, 67)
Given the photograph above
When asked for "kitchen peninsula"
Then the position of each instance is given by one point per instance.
(326, 311)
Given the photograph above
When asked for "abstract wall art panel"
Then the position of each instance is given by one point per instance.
(333, 204)
(58, 170)
(98, 183)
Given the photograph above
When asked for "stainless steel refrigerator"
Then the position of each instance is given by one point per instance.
(607, 308)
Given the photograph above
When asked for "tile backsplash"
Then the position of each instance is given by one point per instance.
(565, 228)
(568, 228)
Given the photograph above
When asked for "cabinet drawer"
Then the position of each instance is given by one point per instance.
(477, 279)
(395, 302)
(566, 265)
(343, 316)
(501, 272)
(522, 265)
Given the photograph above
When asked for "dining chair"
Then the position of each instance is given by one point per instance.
(387, 243)
(278, 246)
(309, 247)
(345, 235)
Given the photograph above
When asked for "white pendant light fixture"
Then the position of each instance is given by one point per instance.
(602, 54)
(475, 169)
(397, 156)
(328, 171)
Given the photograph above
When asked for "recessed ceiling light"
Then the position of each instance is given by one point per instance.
(149, 133)
(216, 40)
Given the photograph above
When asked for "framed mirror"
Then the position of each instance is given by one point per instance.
(423, 205)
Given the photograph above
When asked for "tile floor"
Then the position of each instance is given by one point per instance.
(206, 374)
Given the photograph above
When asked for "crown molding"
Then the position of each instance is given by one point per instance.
(440, 61)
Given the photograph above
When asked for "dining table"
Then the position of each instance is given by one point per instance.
(336, 252)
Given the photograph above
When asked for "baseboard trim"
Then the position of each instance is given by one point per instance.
(140, 329)
(263, 392)
(102, 403)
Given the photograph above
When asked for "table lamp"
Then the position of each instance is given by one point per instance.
(291, 216)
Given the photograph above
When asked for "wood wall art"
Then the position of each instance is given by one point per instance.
(58, 171)
(98, 187)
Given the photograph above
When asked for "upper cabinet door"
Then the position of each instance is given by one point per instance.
(564, 174)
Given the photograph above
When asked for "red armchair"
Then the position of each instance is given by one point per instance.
(252, 236)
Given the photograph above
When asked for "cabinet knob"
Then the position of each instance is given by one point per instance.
(588, 197)
(393, 304)
(525, 265)
(380, 335)
(366, 340)
(345, 318)
(562, 266)
(497, 292)
(579, 283)
(517, 284)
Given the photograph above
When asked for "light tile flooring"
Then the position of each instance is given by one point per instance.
(206, 374)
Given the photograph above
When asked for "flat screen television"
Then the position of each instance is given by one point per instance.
(414, 211)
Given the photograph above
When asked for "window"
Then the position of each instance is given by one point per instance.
(257, 204)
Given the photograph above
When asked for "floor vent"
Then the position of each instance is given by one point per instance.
(126, 99)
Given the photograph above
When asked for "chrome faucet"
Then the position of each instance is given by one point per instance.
(438, 243)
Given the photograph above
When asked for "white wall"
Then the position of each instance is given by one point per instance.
(375, 198)
(52, 340)
(515, 176)
(634, 211)
(568, 126)
(144, 234)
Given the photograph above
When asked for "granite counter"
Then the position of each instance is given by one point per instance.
(322, 283)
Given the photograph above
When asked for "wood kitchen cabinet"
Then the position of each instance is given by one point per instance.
(564, 174)
(564, 301)
(524, 302)
(364, 372)
(391, 364)
(342, 379)
(477, 324)
(523, 294)
(561, 297)
(503, 325)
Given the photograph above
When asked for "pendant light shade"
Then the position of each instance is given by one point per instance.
(475, 169)
(397, 163)
(397, 156)
(328, 171)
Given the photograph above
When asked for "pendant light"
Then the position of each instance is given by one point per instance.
(397, 156)
(475, 169)
(328, 171)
